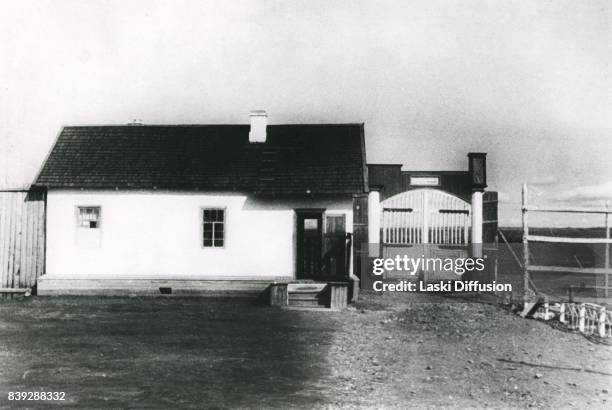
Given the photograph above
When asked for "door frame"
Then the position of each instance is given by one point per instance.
(300, 215)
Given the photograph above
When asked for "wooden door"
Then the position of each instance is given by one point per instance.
(334, 248)
(309, 244)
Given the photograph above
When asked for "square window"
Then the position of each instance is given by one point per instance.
(88, 217)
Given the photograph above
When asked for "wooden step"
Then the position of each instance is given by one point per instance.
(306, 303)
(305, 287)
(307, 295)
(304, 295)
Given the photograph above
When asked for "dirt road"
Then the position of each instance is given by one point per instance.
(384, 352)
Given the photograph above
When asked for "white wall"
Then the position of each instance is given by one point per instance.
(158, 234)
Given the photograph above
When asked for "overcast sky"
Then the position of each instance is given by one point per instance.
(526, 81)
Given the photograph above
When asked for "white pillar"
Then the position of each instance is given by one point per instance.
(374, 213)
(476, 217)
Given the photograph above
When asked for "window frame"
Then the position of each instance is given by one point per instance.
(332, 214)
(78, 217)
(213, 208)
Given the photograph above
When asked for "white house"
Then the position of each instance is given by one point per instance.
(191, 208)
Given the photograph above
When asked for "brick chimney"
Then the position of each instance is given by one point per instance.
(259, 123)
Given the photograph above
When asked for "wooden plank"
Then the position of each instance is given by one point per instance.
(525, 223)
(10, 239)
(31, 210)
(278, 294)
(38, 244)
(2, 234)
(607, 256)
(23, 248)
(561, 239)
(5, 229)
(566, 269)
(38, 247)
(28, 280)
(19, 231)
(25, 244)
(15, 290)
(11, 244)
(529, 308)
(575, 209)
(41, 236)
(338, 296)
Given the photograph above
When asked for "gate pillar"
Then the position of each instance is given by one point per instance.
(374, 213)
(478, 176)
(477, 217)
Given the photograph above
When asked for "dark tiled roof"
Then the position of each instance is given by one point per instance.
(295, 158)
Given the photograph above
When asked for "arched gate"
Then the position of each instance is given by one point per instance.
(425, 223)
(425, 216)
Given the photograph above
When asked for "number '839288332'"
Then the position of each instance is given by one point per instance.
(37, 395)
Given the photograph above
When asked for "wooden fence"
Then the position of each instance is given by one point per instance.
(588, 318)
(22, 239)
(604, 271)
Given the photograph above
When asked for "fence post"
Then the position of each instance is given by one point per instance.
(581, 318)
(562, 313)
(601, 325)
(607, 265)
(525, 247)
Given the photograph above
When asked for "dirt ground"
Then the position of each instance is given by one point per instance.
(384, 352)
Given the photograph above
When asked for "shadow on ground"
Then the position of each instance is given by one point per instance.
(113, 352)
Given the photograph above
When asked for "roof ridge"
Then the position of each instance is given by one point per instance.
(213, 125)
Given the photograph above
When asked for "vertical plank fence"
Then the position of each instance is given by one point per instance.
(22, 239)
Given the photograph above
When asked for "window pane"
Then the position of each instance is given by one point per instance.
(89, 217)
(310, 224)
(335, 224)
(213, 227)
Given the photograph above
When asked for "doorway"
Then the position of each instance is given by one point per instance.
(309, 243)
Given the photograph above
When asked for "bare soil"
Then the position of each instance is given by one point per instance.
(390, 351)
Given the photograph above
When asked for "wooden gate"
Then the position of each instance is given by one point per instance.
(425, 216)
(425, 223)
